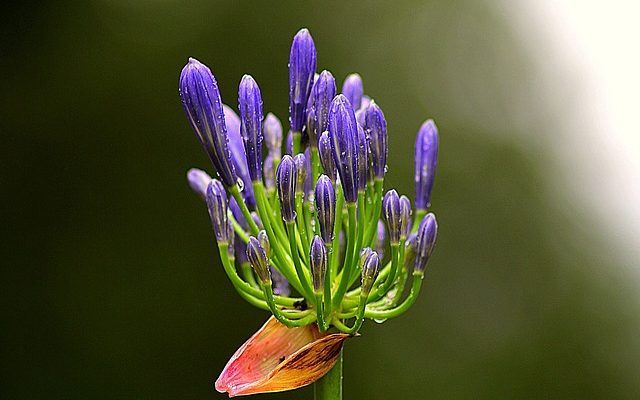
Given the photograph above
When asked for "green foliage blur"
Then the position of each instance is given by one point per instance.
(112, 283)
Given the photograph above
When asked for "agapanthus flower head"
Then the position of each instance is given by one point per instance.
(296, 230)
(376, 127)
(318, 263)
(250, 106)
(391, 212)
(352, 88)
(198, 181)
(286, 184)
(302, 67)
(425, 241)
(326, 156)
(426, 159)
(201, 101)
(273, 135)
(325, 198)
(217, 205)
(259, 261)
(343, 134)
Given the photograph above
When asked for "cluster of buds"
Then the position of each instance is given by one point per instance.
(308, 233)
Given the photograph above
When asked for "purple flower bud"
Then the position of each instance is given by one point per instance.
(343, 134)
(318, 263)
(301, 171)
(273, 134)
(325, 197)
(286, 184)
(391, 212)
(426, 159)
(370, 269)
(259, 260)
(363, 162)
(199, 181)
(353, 90)
(425, 242)
(269, 172)
(405, 217)
(324, 91)
(326, 156)
(239, 156)
(250, 105)
(380, 240)
(201, 101)
(376, 127)
(302, 67)
(217, 205)
(364, 253)
(280, 283)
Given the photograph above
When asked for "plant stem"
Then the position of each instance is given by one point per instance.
(329, 387)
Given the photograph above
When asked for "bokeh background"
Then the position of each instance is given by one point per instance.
(111, 281)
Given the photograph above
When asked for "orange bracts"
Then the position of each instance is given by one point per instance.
(277, 358)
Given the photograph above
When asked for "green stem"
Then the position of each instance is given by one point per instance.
(329, 387)
(375, 215)
(346, 269)
(315, 164)
(302, 273)
(406, 304)
(420, 213)
(301, 223)
(335, 245)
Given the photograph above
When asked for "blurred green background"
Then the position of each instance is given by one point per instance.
(112, 285)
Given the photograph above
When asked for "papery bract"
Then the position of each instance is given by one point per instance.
(277, 358)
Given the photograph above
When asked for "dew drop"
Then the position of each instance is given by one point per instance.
(379, 320)
(240, 183)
